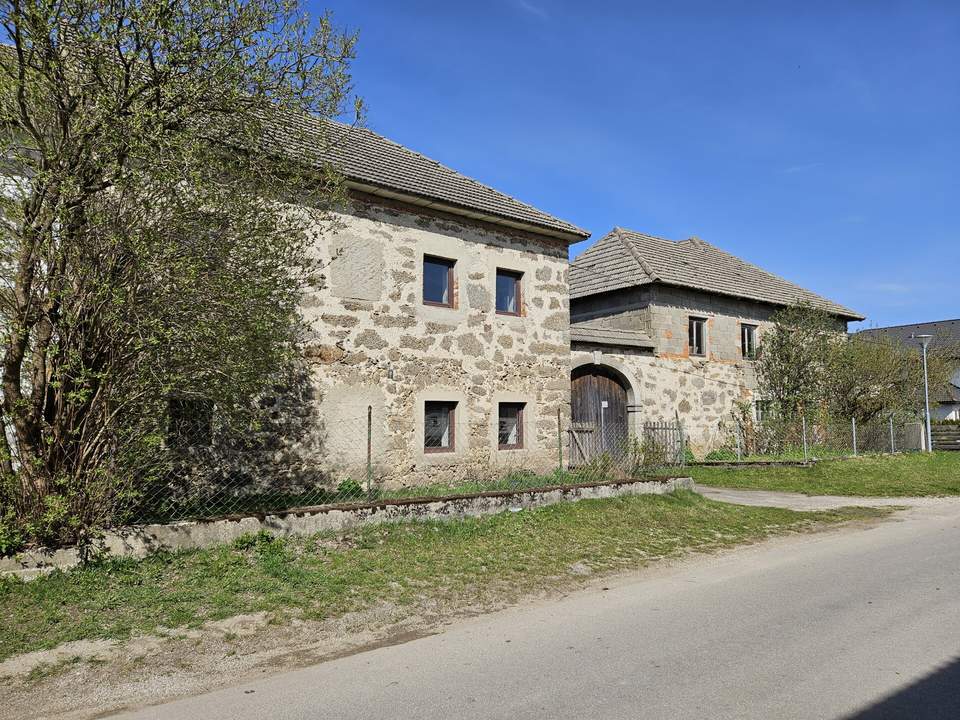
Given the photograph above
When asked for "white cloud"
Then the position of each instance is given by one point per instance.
(791, 169)
(532, 9)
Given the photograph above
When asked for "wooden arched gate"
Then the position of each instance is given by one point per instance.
(599, 421)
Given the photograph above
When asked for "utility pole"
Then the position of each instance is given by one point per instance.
(924, 342)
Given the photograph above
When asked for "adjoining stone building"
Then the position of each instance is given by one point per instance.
(444, 314)
(666, 330)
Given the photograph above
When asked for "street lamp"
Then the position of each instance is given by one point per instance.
(924, 342)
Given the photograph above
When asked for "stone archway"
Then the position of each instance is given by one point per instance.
(600, 424)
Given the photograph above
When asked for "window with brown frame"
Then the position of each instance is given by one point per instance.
(510, 426)
(697, 336)
(439, 426)
(508, 292)
(438, 281)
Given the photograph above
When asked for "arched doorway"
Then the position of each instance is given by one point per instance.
(599, 398)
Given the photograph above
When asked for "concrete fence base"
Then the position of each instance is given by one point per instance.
(141, 540)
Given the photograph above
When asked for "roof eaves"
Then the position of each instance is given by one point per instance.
(575, 234)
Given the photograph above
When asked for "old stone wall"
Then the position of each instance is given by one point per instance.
(668, 383)
(700, 393)
(375, 344)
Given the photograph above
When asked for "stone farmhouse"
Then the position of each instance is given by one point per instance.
(445, 319)
(444, 314)
(665, 330)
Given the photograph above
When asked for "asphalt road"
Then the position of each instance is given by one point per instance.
(854, 624)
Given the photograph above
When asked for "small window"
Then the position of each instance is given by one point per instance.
(698, 338)
(190, 422)
(438, 286)
(508, 292)
(439, 426)
(510, 426)
(748, 341)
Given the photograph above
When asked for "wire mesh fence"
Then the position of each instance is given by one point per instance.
(804, 437)
(369, 457)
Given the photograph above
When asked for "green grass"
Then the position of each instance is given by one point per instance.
(461, 563)
(915, 474)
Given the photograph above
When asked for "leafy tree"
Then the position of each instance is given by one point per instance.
(148, 246)
(808, 363)
(792, 363)
(870, 377)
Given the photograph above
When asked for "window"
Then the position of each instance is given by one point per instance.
(508, 292)
(698, 338)
(510, 426)
(190, 422)
(438, 285)
(439, 426)
(748, 341)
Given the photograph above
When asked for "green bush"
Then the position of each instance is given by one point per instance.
(11, 535)
(350, 488)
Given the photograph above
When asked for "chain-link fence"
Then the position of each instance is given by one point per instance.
(802, 437)
(369, 457)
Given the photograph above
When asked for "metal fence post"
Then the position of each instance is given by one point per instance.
(683, 444)
(803, 425)
(559, 443)
(893, 444)
(370, 451)
(853, 424)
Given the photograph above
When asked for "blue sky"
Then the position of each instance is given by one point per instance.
(819, 140)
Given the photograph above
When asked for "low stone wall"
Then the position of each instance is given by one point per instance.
(140, 540)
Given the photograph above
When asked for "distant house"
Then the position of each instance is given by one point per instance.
(945, 405)
(664, 329)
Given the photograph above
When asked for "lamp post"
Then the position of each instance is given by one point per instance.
(924, 342)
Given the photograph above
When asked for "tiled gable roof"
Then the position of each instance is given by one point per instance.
(624, 258)
(374, 163)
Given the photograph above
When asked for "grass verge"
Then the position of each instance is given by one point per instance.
(457, 564)
(915, 474)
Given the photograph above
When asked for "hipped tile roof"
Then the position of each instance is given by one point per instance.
(625, 258)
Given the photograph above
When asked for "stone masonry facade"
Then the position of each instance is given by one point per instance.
(376, 346)
(666, 382)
